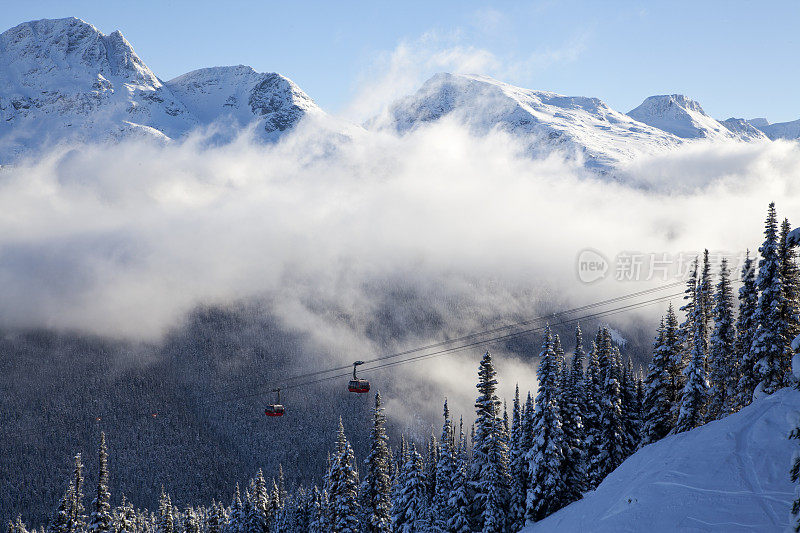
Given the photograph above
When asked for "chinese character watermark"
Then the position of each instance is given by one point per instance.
(629, 266)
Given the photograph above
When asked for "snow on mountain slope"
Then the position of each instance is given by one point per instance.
(578, 126)
(783, 130)
(744, 129)
(730, 475)
(683, 117)
(64, 80)
(243, 95)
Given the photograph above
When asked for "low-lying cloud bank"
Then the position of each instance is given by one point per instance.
(124, 239)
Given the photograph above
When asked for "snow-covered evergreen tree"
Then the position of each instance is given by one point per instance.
(60, 522)
(489, 469)
(609, 446)
(257, 514)
(746, 328)
(577, 387)
(441, 510)
(768, 345)
(518, 468)
(376, 487)
(430, 461)
(125, 519)
(695, 392)
(790, 283)
(409, 512)
(686, 331)
(613, 433)
(236, 518)
(215, 520)
(166, 519)
(722, 362)
(571, 407)
(282, 493)
(191, 524)
(459, 520)
(547, 490)
(592, 414)
(344, 486)
(658, 395)
(100, 520)
(631, 409)
(319, 512)
(77, 518)
(705, 296)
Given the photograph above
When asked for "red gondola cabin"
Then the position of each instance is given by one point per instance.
(357, 384)
(275, 409)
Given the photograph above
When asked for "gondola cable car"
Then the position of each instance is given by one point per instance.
(357, 384)
(275, 409)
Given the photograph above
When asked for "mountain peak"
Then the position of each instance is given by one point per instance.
(80, 53)
(667, 101)
(580, 127)
(241, 93)
(63, 80)
(681, 116)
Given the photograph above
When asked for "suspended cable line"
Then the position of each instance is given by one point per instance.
(471, 340)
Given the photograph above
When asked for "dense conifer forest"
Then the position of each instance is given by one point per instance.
(523, 458)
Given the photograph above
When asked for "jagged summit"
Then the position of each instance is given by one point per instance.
(241, 93)
(64, 80)
(744, 129)
(32, 52)
(680, 116)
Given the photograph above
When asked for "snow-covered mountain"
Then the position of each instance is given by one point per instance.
(63, 79)
(685, 118)
(730, 475)
(578, 126)
(243, 95)
(782, 130)
(744, 129)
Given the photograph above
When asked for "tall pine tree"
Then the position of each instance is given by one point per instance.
(657, 399)
(376, 488)
(445, 473)
(746, 328)
(547, 491)
(343, 478)
(768, 346)
(695, 392)
(100, 520)
(722, 362)
(489, 474)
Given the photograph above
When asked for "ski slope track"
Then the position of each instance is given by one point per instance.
(730, 475)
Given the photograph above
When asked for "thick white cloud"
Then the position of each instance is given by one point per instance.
(124, 239)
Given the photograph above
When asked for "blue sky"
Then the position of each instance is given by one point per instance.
(736, 58)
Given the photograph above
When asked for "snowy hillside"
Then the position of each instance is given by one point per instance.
(782, 130)
(744, 129)
(579, 126)
(243, 95)
(685, 118)
(730, 475)
(64, 79)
